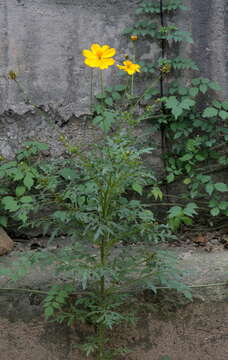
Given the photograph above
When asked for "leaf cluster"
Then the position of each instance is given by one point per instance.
(18, 179)
(155, 8)
(89, 201)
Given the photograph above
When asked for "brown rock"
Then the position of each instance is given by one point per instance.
(200, 240)
(6, 243)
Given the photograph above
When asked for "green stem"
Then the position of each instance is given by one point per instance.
(101, 329)
(91, 89)
(106, 198)
(159, 288)
(134, 291)
(103, 255)
(132, 109)
(132, 85)
(101, 336)
(38, 292)
(23, 291)
(208, 285)
(134, 51)
(101, 82)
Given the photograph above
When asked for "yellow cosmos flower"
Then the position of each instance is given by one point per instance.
(129, 67)
(99, 56)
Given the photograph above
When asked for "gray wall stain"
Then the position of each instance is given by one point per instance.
(4, 55)
(201, 19)
(226, 46)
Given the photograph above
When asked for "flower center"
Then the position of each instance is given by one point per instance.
(99, 55)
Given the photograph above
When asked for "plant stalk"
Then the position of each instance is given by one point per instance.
(91, 89)
(132, 85)
(163, 138)
(101, 82)
(101, 329)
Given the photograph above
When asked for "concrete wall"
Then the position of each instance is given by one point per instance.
(42, 41)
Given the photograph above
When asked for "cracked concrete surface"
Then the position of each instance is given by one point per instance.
(42, 41)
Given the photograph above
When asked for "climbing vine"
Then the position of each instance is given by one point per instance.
(194, 137)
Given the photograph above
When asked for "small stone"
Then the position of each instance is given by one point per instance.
(200, 240)
(6, 243)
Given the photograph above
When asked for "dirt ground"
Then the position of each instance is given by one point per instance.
(196, 331)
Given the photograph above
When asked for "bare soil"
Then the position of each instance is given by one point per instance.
(195, 331)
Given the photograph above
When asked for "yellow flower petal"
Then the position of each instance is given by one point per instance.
(137, 68)
(108, 61)
(130, 71)
(105, 63)
(127, 63)
(91, 62)
(88, 54)
(104, 48)
(103, 66)
(96, 48)
(109, 53)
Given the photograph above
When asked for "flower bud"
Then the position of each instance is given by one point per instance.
(166, 68)
(134, 37)
(12, 75)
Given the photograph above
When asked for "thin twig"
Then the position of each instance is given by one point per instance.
(32, 291)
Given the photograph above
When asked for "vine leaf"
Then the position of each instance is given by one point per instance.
(221, 187)
(210, 112)
(223, 114)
